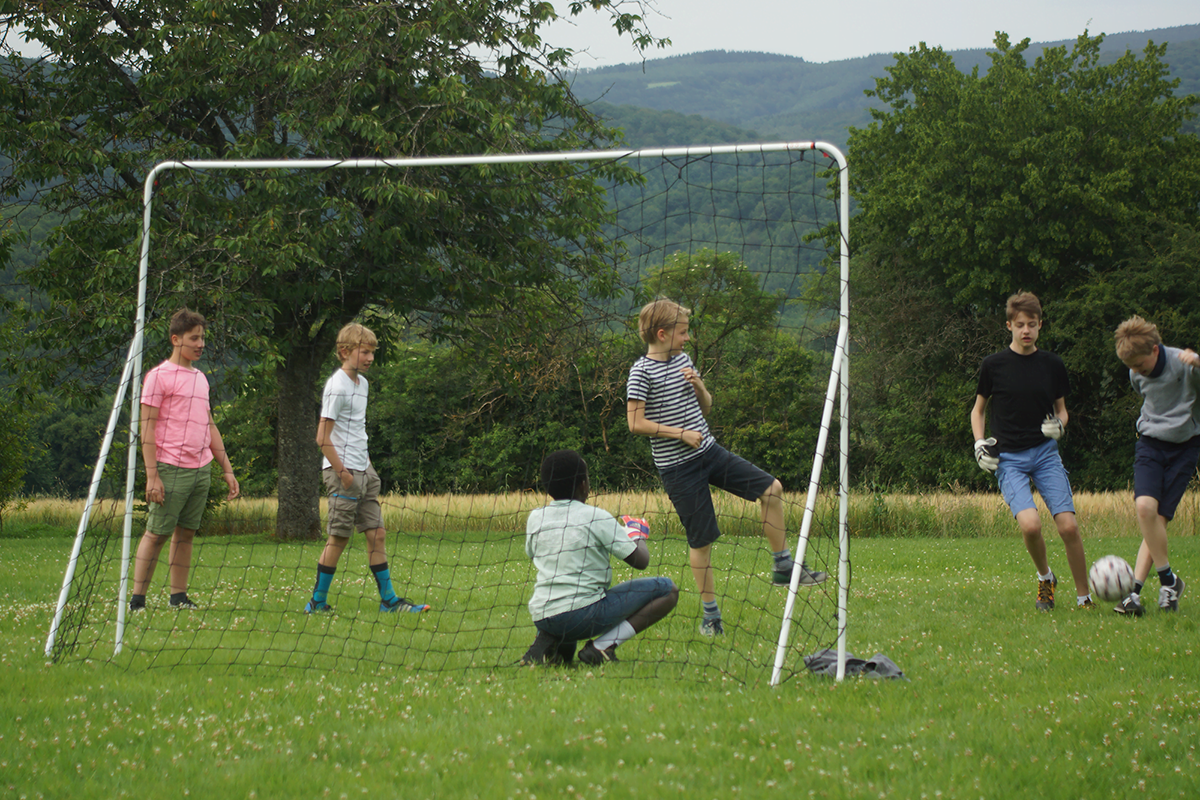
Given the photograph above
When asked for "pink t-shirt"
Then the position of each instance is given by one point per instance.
(181, 396)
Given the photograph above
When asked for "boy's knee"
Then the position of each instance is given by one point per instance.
(773, 492)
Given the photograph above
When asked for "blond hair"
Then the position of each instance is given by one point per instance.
(354, 335)
(660, 314)
(1136, 338)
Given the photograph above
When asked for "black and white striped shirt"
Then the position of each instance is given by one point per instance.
(670, 401)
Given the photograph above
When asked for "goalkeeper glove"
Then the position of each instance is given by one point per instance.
(1053, 427)
(986, 454)
(636, 527)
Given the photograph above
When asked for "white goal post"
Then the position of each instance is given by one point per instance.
(131, 376)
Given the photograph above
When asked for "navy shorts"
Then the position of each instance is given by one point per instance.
(618, 604)
(1163, 470)
(687, 486)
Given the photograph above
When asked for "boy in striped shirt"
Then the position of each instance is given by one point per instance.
(667, 401)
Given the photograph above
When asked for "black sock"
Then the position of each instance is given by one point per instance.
(1138, 586)
(137, 601)
(1166, 577)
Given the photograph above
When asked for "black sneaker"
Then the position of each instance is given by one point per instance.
(544, 650)
(592, 657)
(711, 626)
(137, 602)
(1045, 594)
(1168, 596)
(1131, 605)
(181, 600)
(783, 577)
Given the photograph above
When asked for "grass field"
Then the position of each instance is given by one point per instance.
(1000, 701)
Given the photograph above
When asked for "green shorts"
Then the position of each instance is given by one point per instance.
(356, 508)
(185, 493)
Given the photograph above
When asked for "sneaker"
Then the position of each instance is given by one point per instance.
(182, 601)
(1086, 604)
(1131, 605)
(137, 604)
(544, 650)
(783, 577)
(1168, 596)
(1045, 595)
(711, 626)
(400, 604)
(589, 655)
(566, 653)
(317, 607)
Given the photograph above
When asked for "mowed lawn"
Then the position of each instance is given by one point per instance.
(1000, 701)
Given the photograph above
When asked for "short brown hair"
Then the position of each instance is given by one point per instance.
(184, 320)
(1136, 338)
(1023, 303)
(355, 334)
(660, 314)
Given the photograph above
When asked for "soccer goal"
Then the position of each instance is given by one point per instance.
(753, 238)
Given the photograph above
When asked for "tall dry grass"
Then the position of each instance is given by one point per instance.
(932, 514)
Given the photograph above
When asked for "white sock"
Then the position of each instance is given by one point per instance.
(1047, 576)
(1080, 599)
(622, 633)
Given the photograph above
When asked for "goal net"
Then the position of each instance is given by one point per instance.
(751, 238)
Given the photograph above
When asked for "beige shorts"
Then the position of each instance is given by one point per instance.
(356, 508)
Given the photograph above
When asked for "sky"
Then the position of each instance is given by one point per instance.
(852, 28)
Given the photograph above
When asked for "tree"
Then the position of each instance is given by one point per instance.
(1050, 176)
(279, 261)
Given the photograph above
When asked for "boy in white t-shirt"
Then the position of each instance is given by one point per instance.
(352, 482)
(179, 441)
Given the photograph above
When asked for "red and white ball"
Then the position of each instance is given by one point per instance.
(1111, 579)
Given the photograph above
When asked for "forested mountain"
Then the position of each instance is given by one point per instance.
(768, 97)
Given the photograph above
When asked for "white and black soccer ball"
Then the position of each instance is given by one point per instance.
(1111, 579)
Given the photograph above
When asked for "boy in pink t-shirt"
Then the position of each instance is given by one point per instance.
(179, 441)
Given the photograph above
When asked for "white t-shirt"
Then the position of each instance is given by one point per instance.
(345, 402)
(570, 544)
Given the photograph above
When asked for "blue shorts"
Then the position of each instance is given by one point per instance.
(618, 604)
(1043, 466)
(687, 486)
(1163, 471)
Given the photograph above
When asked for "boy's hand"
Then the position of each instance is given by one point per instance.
(635, 527)
(691, 376)
(154, 490)
(232, 483)
(1052, 427)
(986, 455)
(691, 438)
(1190, 358)
(347, 478)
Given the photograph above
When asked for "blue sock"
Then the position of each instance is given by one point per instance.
(383, 579)
(324, 579)
(711, 609)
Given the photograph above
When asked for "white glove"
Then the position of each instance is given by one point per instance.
(1052, 428)
(986, 455)
(635, 527)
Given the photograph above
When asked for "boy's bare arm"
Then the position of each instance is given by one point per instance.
(978, 427)
(325, 442)
(639, 558)
(154, 484)
(217, 445)
(635, 415)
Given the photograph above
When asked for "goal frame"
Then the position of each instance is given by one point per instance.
(838, 387)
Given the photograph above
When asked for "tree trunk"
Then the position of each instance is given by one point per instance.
(297, 456)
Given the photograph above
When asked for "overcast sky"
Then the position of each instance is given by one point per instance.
(853, 28)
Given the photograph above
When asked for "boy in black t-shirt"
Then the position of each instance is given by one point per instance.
(1027, 388)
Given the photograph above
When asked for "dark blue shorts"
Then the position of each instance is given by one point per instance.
(618, 604)
(1163, 470)
(687, 486)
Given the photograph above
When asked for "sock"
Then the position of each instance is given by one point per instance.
(1080, 599)
(137, 601)
(783, 560)
(1049, 576)
(1138, 586)
(622, 633)
(324, 578)
(178, 597)
(1166, 577)
(383, 579)
(711, 609)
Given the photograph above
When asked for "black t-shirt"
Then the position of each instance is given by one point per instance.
(1023, 390)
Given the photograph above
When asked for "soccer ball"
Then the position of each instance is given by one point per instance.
(635, 527)
(1111, 578)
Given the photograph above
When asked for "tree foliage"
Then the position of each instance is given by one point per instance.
(1064, 176)
(278, 261)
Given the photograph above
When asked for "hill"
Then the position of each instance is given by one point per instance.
(774, 97)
